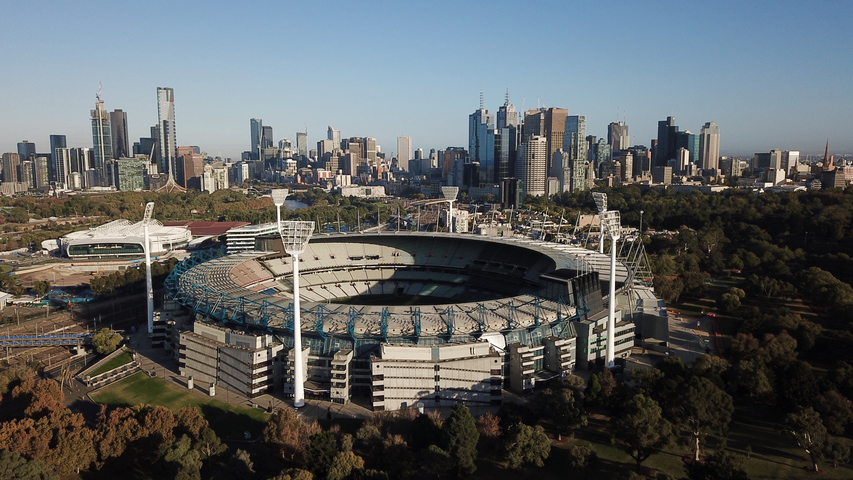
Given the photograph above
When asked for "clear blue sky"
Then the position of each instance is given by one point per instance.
(773, 74)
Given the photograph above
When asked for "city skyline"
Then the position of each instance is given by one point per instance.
(768, 80)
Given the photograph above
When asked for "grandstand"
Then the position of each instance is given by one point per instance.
(121, 238)
(360, 291)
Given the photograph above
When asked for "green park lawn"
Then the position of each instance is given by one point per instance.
(116, 362)
(228, 421)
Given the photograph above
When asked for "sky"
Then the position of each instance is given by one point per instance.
(771, 74)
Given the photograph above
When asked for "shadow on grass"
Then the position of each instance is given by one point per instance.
(229, 424)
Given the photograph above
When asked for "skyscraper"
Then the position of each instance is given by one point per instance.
(101, 139)
(574, 143)
(61, 167)
(531, 164)
(404, 152)
(617, 136)
(256, 127)
(26, 150)
(667, 140)
(11, 167)
(334, 136)
(479, 124)
(166, 122)
(56, 141)
(121, 145)
(709, 146)
(507, 115)
(690, 142)
(302, 143)
(267, 138)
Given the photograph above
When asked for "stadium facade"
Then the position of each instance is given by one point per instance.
(398, 319)
(121, 238)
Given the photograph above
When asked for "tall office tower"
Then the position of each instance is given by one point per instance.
(790, 160)
(61, 167)
(166, 123)
(507, 116)
(57, 141)
(404, 152)
(121, 145)
(641, 160)
(334, 136)
(617, 136)
(101, 139)
(479, 124)
(709, 146)
(325, 147)
(26, 150)
(667, 138)
(506, 149)
(560, 168)
(80, 159)
(690, 142)
(534, 124)
(302, 143)
(11, 167)
(591, 141)
(267, 139)
(40, 173)
(256, 126)
(602, 156)
(626, 165)
(370, 150)
(574, 143)
(531, 164)
(555, 128)
(355, 146)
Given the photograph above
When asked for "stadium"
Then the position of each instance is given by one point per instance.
(121, 238)
(402, 318)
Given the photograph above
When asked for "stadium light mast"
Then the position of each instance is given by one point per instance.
(278, 197)
(149, 288)
(601, 204)
(450, 194)
(611, 220)
(294, 237)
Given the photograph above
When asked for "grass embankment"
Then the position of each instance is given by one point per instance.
(116, 362)
(228, 421)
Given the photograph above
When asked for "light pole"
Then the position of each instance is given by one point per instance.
(601, 204)
(611, 219)
(294, 237)
(279, 195)
(641, 222)
(149, 288)
(450, 194)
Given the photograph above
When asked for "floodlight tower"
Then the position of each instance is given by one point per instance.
(611, 219)
(278, 196)
(450, 194)
(600, 203)
(294, 237)
(149, 288)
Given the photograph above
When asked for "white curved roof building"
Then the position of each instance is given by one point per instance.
(121, 238)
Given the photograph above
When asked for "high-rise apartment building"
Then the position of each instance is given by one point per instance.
(130, 174)
(617, 136)
(167, 138)
(102, 149)
(709, 146)
(57, 141)
(26, 150)
(531, 164)
(256, 126)
(404, 152)
(11, 167)
(121, 143)
(302, 143)
(334, 136)
(370, 150)
(40, 173)
(80, 159)
(61, 167)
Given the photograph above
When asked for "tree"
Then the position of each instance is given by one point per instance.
(592, 394)
(106, 341)
(283, 430)
(241, 464)
(835, 410)
(640, 430)
(41, 287)
(460, 439)
(836, 452)
(343, 465)
(721, 465)
(564, 408)
(435, 460)
(704, 408)
(526, 444)
(320, 453)
(806, 428)
(14, 466)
